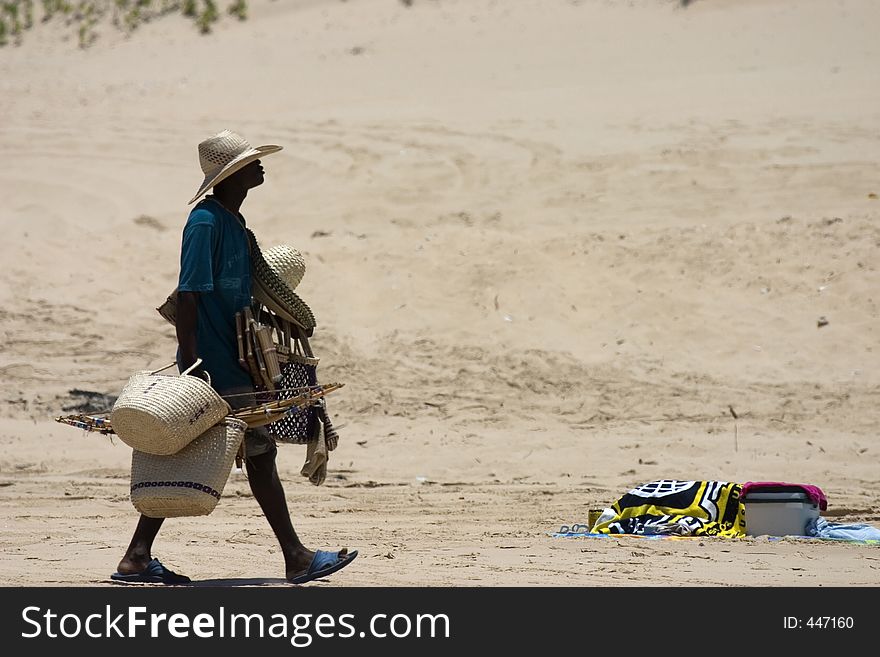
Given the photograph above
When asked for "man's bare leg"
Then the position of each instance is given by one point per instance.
(138, 554)
(267, 489)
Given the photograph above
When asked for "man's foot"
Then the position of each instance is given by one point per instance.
(323, 563)
(153, 573)
(298, 563)
(131, 565)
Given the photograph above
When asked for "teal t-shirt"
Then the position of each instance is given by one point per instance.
(215, 262)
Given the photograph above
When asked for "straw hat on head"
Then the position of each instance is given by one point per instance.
(225, 153)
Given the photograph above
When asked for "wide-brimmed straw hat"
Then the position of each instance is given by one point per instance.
(272, 282)
(288, 263)
(223, 154)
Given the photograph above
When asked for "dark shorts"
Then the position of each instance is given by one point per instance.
(256, 441)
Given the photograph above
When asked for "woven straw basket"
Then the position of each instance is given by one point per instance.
(160, 414)
(190, 482)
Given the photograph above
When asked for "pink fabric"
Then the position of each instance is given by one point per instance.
(813, 492)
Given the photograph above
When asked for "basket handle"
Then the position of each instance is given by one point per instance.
(194, 366)
(187, 370)
(164, 368)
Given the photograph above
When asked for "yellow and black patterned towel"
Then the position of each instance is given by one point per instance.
(682, 508)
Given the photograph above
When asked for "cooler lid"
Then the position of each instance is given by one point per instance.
(817, 497)
(781, 496)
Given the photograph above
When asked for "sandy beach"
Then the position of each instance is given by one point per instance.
(550, 245)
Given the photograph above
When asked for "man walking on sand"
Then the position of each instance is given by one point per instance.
(214, 285)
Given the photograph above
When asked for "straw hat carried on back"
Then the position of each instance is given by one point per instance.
(275, 275)
(287, 262)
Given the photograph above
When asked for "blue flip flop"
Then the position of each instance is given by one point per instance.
(324, 563)
(154, 573)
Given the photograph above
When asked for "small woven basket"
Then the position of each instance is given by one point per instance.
(160, 414)
(190, 482)
(298, 427)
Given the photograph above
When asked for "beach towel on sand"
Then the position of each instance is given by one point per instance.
(682, 508)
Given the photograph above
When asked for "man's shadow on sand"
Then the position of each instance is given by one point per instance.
(208, 583)
(239, 581)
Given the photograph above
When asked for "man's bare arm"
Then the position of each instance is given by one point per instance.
(187, 322)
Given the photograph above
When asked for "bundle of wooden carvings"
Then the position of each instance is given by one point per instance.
(185, 437)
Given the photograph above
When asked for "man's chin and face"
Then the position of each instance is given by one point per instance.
(256, 175)
(249, 176)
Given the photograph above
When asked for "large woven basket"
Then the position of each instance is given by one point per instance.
(190, 482)
(161, 414)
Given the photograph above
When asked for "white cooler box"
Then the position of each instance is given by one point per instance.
(779, 513)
